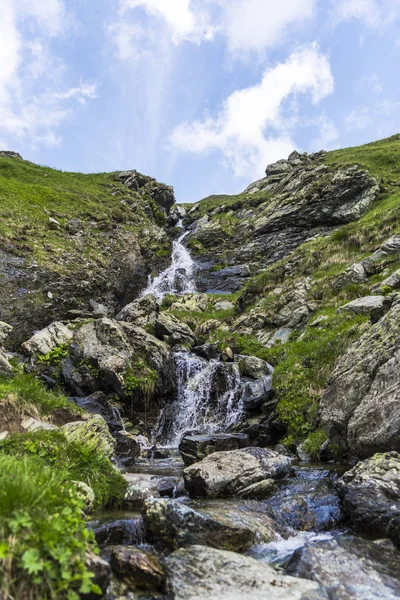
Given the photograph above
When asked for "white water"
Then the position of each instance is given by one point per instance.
(178, 278)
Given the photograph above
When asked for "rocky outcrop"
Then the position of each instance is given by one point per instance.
(350, 567)
(194, 448)
(371, 495)
(300, 198)
(360, 409)
(175, 525)
(163, 195)
(200, 573)
(225, 474)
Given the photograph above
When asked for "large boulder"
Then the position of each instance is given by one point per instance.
(350, 567)
(371, 495)
(169, 328)
(175, 524)
(141, 312)
(360, 409)
(45, 340)
(368, 305)
(94, 431)
(200, 573)
(225, 474)
(194, 448)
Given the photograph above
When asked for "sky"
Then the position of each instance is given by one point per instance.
(200, 94)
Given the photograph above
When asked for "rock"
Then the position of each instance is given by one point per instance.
(47, 339)
(5, 365)
(127, 448)
(94, 431)
(360, 409)
(227, 354)
(256, 393)
(170, 329)
(175, 524)
(4, 435)
(99, 310)
(199, 573)
(318, 321)
(369, 305)
(353, 274)
(118, 532)
(102, 574)
(86, 493)
(194, 448)
(31, 424)
(229, 473)
(371, 495)
(256, 368)
(207, 351)
(142, 311)
(10, 154)
(5, 330)
(350, 567)
(192, 303)
(259, 491)
(224, 305)
(54, 224)
(141, 487)
(96, 404)
(392, 281)
(137, 568)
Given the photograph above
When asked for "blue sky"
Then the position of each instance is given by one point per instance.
(201, 94)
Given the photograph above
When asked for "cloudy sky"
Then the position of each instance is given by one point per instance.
(201, 94)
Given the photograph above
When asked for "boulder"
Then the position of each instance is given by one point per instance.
(350, 567)
(223, 305)
(31, 424)
(142, 311)
(371, 495)
(5, 365)
(47, 339)
(369, 305)
(96, 404)
(141, 487)
(256, 393)
(230, 473)
(170, 329)
(111, 532)
(360, 409)
(200, 573)
(137, 568)
(94, 431)
(253, 367)
(102, 574)
(175, 524)
(353, 274)
(5, 330)
(127, 448)
(194, 448)
(99, 310)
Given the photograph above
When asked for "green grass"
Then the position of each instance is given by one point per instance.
(43, 537)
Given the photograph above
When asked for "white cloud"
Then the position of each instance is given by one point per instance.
(245, 129)
(327, 136)
(379, 116)
(373, 13)
(34, 102)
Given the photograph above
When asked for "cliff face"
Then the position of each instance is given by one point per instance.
(67, 238)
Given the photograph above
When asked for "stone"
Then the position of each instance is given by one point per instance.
(142, 311)
(369, 305)
(194, 448)
(392, 281)
(31, 424)
(224, 474)
(257, 393)
(223, 305)
(137, 568)
(4, 435)
(169, 328)
(350, 567)
(201, 573)
(45, 340)
(5, 365)
(360, 409)
(371, 495)
(5, 330)
(256, 368)
(127, 448)
(354, 274)
(118, 532)
(175, 524)
(99, 310)
(96, 404)
(102, 574)
(10, 154)
(141, 487)
(53, 223)
(94, 431)
(259, 491)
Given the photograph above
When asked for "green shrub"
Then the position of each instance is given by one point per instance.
(55, 356)
(78, 462)
(43, 537)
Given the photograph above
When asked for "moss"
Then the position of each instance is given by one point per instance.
(313, 443)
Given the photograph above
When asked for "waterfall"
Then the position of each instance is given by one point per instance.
(209, 398)
(178, 278)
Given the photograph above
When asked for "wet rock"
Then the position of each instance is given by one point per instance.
(47, 339)
(102, 574)
(137, 568)
(350, 567)
(121, 531)
(200, 573)
(94, 431)
(194, 448)
(229, 473)
(207, 351)
(371, 495)
(360, 409)
(96, 404)
(170, 329)
(141, 487)
(174, 524)
(256, 393)
(127, 448)
(259, 491)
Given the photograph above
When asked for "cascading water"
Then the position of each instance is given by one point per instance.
(201, 404)
(178, 278)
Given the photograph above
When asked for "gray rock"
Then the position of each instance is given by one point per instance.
(10, 154)
(371, 495)
(5, 330)
(53, 223)
(127, 448)
(200, 573)
(194, 448)
(102, 574)
(175, 524)
(5, 366)
(349, 567)
(224, 305)
(94, 431)
(228, 473)
(360, 409)
(169, 328)
(365, 306)
(256, 368)
(392, 281)
(47, 339)
(256, 393)
(141, 487)
(141, 312)
(31, 424)
(99, 310)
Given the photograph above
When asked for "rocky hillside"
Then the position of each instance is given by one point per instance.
(67, 238)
